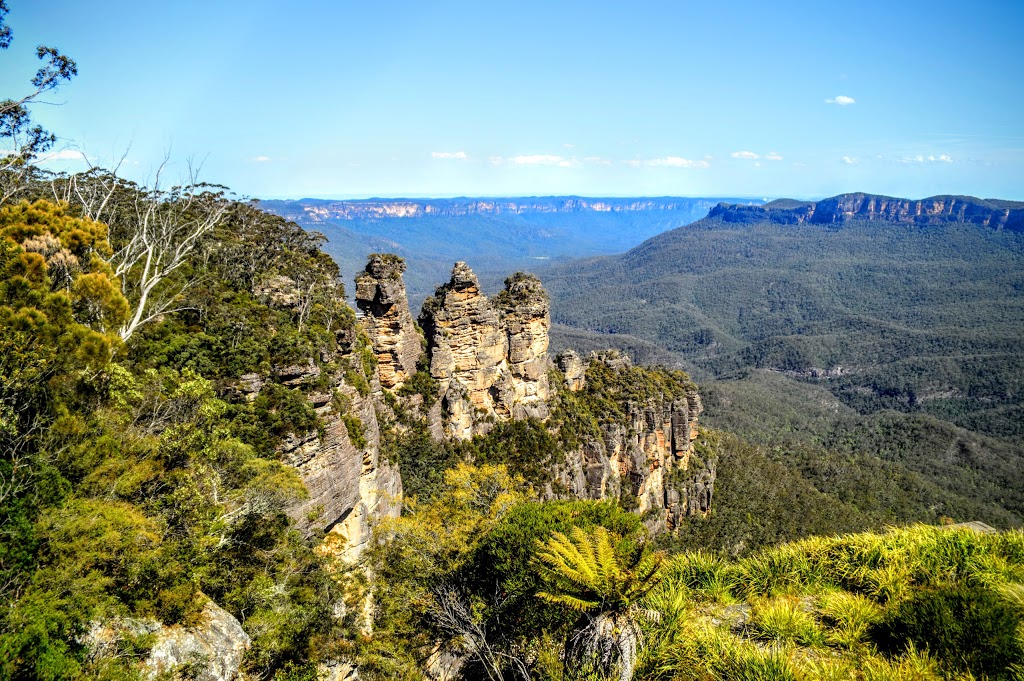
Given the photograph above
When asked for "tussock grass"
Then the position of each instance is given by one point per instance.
(814, 609)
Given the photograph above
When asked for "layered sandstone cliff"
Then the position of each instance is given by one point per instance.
(489, 358)
(380, 295)
(488, 363)
(847, 207)
(646, 454)
(350, 483)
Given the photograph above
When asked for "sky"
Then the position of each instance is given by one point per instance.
(430, 99)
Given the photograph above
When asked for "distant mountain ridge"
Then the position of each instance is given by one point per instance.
(498, 234)
(326, 209)
(993, 213)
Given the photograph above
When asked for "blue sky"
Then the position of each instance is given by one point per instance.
(385, 98)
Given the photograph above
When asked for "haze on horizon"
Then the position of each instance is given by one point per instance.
(346, 99)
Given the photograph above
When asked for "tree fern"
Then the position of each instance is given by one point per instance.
(586, 573)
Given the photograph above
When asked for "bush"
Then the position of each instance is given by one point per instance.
(966, 627)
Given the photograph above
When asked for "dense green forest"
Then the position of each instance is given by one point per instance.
(879, 362)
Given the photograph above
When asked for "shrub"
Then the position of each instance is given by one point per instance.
(966, 627)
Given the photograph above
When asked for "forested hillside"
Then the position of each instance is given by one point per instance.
(843, 342)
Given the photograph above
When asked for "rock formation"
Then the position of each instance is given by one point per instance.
(489, 358)
(380, 294)
(846, 207)
(348, 485)
(649, 455)
(211, 650)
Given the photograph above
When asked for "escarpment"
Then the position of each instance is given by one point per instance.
(934, 210)
(625, 432)
(488, 359)
(349, 482)
(640, 441)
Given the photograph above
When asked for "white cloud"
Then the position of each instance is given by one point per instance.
(746, 155)
(668, 162)
(260, 159)
(569, 146)
(841, 100)
(773, 156)
(930, 158)
(850, 160)
(450, 155)
(63, 155)
(597, 160)
(543, 160)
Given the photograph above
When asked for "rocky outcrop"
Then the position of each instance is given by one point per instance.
(995, 214)
(380, 294)
(648, 457)
(211, 650)
(488, 359)
(349, 482)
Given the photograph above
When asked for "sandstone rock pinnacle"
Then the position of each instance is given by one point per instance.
(489, 358)
(380, 294)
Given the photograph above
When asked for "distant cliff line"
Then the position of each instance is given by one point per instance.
(994, 213)
(326, 209)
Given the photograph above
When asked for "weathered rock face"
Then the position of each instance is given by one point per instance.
(349, 483)
(526, 316)
(490, 360)
(210, 651)
(380, 294)
(649, 456)
(846, 207)
(573, 368)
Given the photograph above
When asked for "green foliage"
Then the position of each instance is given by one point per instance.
(423, 459)
(428, 547)
(947, 609)
(506, 556)
(585, 573)
(526, 447)
(966, 627)
(138, 491)
(785, 619)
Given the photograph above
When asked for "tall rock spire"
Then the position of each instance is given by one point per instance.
(380, 294)
(489, 358)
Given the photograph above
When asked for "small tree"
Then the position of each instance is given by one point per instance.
(585, 573)
(21, 141)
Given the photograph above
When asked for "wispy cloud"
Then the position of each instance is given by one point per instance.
(551, 160)
(597, 160)
(930, 158)
(850, 160)
(668, 162)
(64, 155)
(260, 159)
(450, 155)
(751, 156)
(841, 100)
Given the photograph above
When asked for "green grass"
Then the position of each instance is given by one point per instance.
(916, 602)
